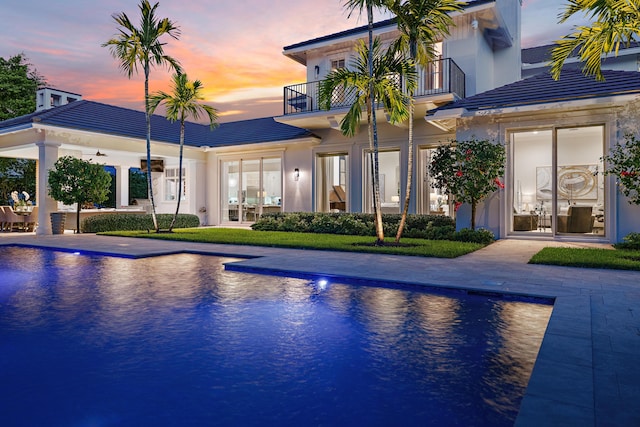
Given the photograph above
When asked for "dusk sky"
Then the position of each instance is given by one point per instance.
(233, 46)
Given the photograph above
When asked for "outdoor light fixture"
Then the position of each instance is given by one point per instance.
(296, 174)
(317, 69)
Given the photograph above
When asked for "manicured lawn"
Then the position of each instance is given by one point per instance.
(589, 258)
(413, 247)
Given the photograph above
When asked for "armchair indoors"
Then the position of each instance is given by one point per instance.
(577, 220)
(338, 199)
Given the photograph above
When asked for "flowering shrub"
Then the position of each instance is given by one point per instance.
(469, 171)
(623, 161)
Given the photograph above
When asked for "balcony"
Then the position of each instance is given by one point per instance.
(440, 77)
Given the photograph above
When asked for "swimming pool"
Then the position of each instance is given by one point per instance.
(177, 340)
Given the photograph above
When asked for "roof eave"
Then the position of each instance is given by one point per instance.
(242, 146)
(573, 104)
(17, 128)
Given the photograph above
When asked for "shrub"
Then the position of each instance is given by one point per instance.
(435, 227)
(134, 222)
(630, 242)
(480, 235)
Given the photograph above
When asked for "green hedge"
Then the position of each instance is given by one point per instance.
(433, 227)
(134, 222)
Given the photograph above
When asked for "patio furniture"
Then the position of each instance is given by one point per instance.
(31, 220)
(13, 219)
(2, 216)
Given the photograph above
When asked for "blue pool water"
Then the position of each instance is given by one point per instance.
(178, 341)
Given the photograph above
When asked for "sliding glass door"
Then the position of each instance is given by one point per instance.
(249, 188)
(558, 185)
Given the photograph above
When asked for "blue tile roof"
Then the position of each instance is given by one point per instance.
(541, 88)
(102, 118)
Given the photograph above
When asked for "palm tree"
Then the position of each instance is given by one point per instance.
(369, 5)
(368, 90)
(614, 22)
(135, 47)
(421, 23)
(181, 104)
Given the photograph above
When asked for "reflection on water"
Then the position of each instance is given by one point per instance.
(113, 341)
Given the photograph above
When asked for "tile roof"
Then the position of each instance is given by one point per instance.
(539, 54)
(541, 88)
(363, 28)
(102, 118)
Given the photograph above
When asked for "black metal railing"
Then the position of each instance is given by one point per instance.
(438, 77)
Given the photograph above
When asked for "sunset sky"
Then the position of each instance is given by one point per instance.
(233, 46)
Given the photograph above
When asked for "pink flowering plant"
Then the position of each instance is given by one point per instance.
(469, 171)
(623, 161)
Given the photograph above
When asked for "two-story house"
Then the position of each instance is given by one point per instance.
(555, 134)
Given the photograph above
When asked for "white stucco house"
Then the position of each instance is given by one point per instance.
(555, 133)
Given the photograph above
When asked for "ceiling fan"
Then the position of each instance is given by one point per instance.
(99, 154)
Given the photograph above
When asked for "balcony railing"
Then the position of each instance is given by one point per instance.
(438, 77)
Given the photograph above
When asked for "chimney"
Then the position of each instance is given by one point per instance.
(47, 98)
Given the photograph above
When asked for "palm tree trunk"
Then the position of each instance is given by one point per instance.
(407, 195)
(148, 118)
(374, 127)
(413, 53)
(179, 192)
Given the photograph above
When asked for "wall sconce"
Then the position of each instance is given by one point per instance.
(296, 174)
(317, 70)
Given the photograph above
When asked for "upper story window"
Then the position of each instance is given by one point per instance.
(337, 64)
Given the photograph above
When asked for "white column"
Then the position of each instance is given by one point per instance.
(47, 156)
(122, 186)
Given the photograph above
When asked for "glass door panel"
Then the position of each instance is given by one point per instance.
(580, 187)
(331, 190)
(431, 201)
(230, 191)
(532, 185)
(271, 195)
(389, 173)
(250, 190)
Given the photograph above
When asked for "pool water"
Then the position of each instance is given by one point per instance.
(178, 341)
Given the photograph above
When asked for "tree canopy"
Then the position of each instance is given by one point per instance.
(468, 170)
(613, 23)
(18, 84)
(74, 180)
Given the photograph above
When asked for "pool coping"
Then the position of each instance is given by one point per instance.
(586, 372)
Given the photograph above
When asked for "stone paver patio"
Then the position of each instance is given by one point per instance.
(588, 368)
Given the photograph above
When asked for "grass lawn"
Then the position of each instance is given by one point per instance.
(238, 236)
(589, 258)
